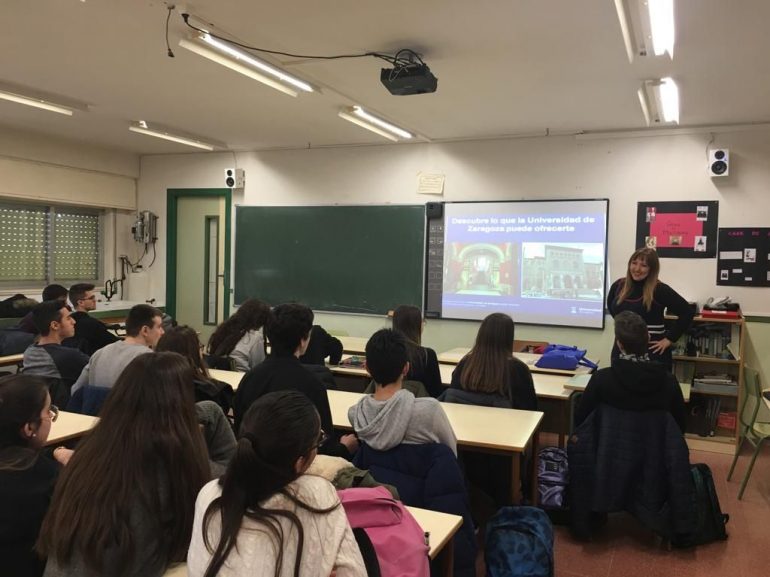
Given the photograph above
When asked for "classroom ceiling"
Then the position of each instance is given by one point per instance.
(505, 67)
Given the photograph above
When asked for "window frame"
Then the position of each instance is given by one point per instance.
(50, 258)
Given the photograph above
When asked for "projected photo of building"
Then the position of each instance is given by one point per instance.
(562, 271)
(479, 268)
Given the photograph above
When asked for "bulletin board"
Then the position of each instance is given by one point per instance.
(744, 257)
(682, 229)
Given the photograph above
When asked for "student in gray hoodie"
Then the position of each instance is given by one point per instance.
(392, 415)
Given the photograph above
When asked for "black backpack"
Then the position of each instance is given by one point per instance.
(710, 521)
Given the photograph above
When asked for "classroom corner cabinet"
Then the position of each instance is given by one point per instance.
(709, 359)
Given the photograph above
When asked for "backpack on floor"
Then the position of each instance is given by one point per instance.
(398, 540)
(519, 543)
(711, 522)
(552, 477)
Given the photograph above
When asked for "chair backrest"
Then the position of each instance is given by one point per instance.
(462, 397)
(751, 397)
(221, 363)
(88, 400)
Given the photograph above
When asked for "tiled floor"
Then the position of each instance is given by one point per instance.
(626, 550)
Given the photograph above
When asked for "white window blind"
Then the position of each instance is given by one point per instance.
(44, 244)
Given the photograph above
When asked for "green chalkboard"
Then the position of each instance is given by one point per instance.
(360, 259)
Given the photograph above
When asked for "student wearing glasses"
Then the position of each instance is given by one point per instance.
(285, 522)
(90, 334)
(27, 472)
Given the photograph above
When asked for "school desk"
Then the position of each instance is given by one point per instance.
(11, 360)
(453, 356)
(441, 527)
(508, 432)
(354, 345)
(70, 426)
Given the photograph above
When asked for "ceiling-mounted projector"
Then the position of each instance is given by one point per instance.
(409, 79)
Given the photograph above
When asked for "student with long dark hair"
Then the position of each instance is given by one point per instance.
(240, 337)
(423, 362)
(184, 340)
(124, 504)
(490, 367)
(27, 473)
(642, 293)
(264, 517)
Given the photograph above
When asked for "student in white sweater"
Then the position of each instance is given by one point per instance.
(278, 521)
(240, 338)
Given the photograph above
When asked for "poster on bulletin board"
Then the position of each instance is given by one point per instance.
(681, 229)
(744, 257)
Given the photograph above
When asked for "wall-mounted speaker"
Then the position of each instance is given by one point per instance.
(719, 162)
(235, 178)
(434, 209)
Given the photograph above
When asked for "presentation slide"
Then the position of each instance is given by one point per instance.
(541, 262)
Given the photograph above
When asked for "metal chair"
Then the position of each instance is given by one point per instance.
(754, 430)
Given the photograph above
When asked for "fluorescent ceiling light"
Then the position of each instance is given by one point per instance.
(662, 26)
(647, 27)
(240, 61)
(141, 127)
(660, 101)
(364, 119)
(37, 99)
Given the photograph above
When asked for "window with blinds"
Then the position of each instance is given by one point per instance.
(44, 244)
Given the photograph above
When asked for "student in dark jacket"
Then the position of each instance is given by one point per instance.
(321, 346)
(53, 292)
(633, 382)
(27, 473)
(48, 357)
(642, 293)
(288, 329)
(90, 334)
(490, 367)
(423, 362)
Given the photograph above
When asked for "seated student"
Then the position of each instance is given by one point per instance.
(90, 334)
(283, 521)
(123, 506)
(184, 340)
(423, 363)
(48, 357)
(53, 292)
(633, 382)
(392, 415)
(27, 473)
(240, 337)
(288, 328)
(143, 329)
(321, 346)
(490, 369)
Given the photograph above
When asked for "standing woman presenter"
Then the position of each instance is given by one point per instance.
(641, 292)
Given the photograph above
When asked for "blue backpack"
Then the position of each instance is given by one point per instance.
(564, 358)
(552, 477)
(519, 543)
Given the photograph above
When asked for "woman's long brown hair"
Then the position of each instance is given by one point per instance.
(650, 258)
(486, 365)
(250, 316)
(277, 429)
(184, 340)
(22, 399)
(148, 452)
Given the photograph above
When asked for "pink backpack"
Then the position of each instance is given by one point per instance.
(398, 539)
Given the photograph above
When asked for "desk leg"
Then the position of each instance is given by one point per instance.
(533, 492)
(516, 478)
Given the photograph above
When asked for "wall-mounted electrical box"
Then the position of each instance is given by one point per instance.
(145, 229)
